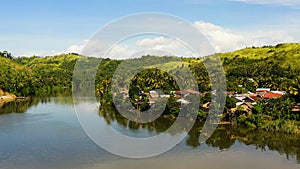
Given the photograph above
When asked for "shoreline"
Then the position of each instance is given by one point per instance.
(6, 97)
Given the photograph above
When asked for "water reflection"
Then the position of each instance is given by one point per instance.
(18, 106)
(23, 106)
(156, 127)
(224, 137)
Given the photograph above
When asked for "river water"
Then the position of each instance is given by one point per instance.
(45, 133)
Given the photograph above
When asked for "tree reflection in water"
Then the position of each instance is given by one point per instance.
(20, 106)
(224, 137)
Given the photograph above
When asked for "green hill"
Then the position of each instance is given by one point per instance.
(277, 67)
(37, 75)
(286, 54)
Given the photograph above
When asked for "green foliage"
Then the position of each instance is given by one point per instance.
(272, 115)
(276, 67)
(173, 107)
(207, 98)
(35, 75)
(7, 55)
(277, 108)
(202, 115)
(230, 103)
(151, 79)
(280, 65)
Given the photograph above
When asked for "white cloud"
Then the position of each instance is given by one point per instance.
(163, 46)
(157, 41)
(160, 43)
(39, 53)
(96, 48)
(220, 38)
(160, 46)
(120, 52)
(76, 48)
(224, 40)
(272, 2)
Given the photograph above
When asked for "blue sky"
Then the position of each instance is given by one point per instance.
(50, 27)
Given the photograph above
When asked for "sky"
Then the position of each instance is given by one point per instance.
(41, 28)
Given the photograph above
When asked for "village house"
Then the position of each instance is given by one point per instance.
(272, 94)
(245, 108)
(244, 101)
(184, 93)
(266, 93)
(183, 101)
(206, 106)
(230, 94)
(153, 94)
(244, 98)
(296, 109)
(262, 90)
(165, 96)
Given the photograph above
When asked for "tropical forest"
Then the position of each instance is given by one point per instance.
(262, 84)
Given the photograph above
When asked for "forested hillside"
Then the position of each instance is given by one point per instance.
(36, 75)
(276, 67)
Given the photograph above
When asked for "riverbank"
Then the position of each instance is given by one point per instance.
(254, 120)
(6, 97)
(272, 126)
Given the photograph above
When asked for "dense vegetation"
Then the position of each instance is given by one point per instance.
(25, 76)
(276, 67)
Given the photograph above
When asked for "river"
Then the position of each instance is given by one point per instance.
(45, 133)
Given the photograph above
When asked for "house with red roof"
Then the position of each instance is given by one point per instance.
(271, 95)
(254, 97)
